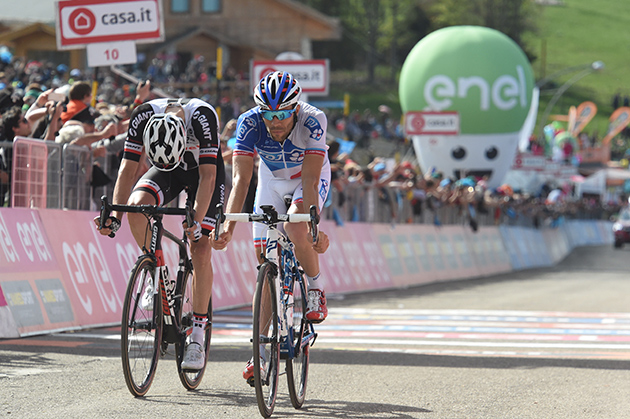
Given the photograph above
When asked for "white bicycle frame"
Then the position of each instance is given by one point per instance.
(274, 240)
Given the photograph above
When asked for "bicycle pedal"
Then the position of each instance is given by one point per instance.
(250, 381)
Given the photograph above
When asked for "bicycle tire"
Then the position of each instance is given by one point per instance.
(297, 367)
(141, 330)
(190, 379)
(265, 339)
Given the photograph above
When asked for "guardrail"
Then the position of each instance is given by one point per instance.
(46, 174)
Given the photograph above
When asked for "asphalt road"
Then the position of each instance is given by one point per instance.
(545, 343)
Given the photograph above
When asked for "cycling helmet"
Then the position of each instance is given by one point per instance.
(277, 91)
(164, 139)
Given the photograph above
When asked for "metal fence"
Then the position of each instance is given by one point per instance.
(50, 175)
(45, 174)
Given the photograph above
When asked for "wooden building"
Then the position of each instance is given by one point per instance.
(244, 29)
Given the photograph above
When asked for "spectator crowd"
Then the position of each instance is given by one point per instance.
(41, 100)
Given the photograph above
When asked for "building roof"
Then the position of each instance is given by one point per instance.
(27, 30)
(313, 14)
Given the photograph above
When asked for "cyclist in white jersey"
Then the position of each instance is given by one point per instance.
(290, 137)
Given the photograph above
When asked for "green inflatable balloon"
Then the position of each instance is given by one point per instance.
(483, 77)
(479, 72)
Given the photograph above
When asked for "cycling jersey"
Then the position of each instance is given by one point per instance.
(202, 147)
(279, 173)
(202, 139)
(284, 160)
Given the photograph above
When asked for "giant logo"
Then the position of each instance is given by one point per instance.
(484, 77)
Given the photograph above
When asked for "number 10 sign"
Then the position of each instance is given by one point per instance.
(111, 53)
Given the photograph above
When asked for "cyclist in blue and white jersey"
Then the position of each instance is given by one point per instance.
(290, 137)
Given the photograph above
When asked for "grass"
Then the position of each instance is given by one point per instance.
(574, 34)
(578, 33)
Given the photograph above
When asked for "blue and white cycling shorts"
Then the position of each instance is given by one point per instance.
(271, 191)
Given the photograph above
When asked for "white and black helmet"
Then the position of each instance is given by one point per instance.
(164, 139)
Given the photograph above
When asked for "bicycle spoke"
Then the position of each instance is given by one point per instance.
(265, 343)
(141, 330)
(190, 379)
(297, 367)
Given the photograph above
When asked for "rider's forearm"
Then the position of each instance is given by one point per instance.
(236, 200)
(124, 183)
(207, 178)
(311, 174)
(243, 167)
(309, 194)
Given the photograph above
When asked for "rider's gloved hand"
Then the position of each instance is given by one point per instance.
(113, 225)
(194, 231)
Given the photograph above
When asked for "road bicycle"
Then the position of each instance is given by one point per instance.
(280, 327)
(156, 316)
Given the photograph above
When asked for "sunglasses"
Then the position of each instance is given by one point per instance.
(281, 115)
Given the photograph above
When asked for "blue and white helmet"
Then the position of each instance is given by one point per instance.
(164, 140)
(277, 91)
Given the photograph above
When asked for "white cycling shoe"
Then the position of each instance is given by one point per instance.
(194, 357)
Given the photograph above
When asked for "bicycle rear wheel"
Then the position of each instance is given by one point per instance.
(265, 340)
(190, 379)
(141, 328)
(297, 367)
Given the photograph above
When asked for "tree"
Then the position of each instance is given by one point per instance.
(512, 17)
(382, 32)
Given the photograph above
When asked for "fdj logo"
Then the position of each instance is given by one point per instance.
(506, 91)
(271, 244)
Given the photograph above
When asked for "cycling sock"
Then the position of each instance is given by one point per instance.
(199, 327)
(312, 281)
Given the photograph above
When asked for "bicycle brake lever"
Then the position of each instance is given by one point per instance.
(220, 218)
(105, 211)
(314, 222)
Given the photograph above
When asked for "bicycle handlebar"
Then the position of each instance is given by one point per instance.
(150, 210)
(269, 217)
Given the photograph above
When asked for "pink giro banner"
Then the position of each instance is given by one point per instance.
(95, 268)
(58, 273)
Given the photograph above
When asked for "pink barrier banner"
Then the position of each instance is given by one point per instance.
(235, 270)
(353, 262)
(57, 272)
(23, 242)
(95, 268)
(30, 279)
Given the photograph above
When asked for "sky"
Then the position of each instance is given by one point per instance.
(36, 10)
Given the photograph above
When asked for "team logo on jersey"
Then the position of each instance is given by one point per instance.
(137, 120)
(323, 189)
(296, 156)
(270, 156)
(314, 127)
(246, 125)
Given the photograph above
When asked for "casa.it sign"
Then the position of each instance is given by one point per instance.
(83, 22)
(431, 123)
(312, 74)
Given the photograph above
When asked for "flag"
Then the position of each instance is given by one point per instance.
(618, 121)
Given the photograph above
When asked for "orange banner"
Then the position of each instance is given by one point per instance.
(585, 112)
(618, 121)
(572, 119)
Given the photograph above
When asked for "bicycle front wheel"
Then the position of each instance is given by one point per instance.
(190, 379)
(265, 340)
(297, 367)
(141, 328)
